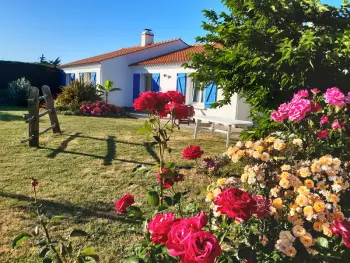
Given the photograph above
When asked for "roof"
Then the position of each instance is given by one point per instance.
(178, 56)
(117, 53)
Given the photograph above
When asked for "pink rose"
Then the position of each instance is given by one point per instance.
(160, 226)
(281, 114)
(337, 126)
(124, 203)
(298, 109)
(322, 134)
(262, 208)
(342, 227)
(181, 231)
(324, 119)
(335, 97)
(302, 94)
(201, 247)
(315, 91)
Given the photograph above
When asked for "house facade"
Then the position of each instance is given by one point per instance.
(156, 67)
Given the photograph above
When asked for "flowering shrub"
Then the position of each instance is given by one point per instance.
(100, 108)
(315, 117)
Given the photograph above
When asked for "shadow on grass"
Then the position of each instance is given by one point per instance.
(111, 154)
(10, 117)
(80, 213)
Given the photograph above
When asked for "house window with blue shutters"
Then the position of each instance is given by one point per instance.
(71, 77)
(181, 83)
(136, 86)
(93, 78)
(210, 95)
(155, 82)
(81, 77)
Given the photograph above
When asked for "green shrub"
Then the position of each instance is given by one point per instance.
(17, 92)
(71, 96)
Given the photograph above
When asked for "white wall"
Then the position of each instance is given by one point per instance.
(238, 109)
(118, 70)
(85, 68)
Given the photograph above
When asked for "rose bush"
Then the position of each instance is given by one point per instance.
(100, 108)
(283, 203)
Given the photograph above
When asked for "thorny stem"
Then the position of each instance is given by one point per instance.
(44, 227)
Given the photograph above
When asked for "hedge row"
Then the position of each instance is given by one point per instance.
(37, 74)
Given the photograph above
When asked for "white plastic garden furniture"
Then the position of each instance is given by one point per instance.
(219, 120)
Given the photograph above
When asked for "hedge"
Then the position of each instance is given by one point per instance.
(37, 74)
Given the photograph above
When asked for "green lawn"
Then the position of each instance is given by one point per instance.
(81, 173)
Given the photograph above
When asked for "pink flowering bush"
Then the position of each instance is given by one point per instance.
(320, 120)
(100, 108)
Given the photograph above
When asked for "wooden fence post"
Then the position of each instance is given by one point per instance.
(50, 105)
(33, 109)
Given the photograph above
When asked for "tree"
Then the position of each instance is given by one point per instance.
(42, 59)
(55, 62)
(107, 88)
(270, 48)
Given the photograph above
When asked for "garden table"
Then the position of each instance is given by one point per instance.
(219, 120)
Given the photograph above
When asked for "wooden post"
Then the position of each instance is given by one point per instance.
(50, 106)
(33, 108)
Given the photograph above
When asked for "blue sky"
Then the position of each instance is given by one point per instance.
(75, 29)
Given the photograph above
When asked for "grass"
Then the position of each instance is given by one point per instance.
(81, 173)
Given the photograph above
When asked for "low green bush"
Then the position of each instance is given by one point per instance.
(71, 96)
(17, 92)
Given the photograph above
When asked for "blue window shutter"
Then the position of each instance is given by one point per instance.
(72, 77)
(181, 83)
(136, 86)
(155, 82)
(63, 78)
(93, 78)
(210, 95)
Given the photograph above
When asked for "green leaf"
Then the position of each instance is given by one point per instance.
(19, 239)
(47, 260)
(90, 252)
(134, 212)
(322, 242)
(177, 198)
(168, 174)
(56, 218)
(133, 259)
(78, 233)
(168, 200)
(44, 252)
(153, 198)
(162, 207)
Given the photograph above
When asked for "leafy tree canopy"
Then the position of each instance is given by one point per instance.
(270, 48)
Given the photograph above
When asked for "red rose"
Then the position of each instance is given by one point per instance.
(322, 134)
(182, 230)
(201, 247)
(179, 111)
(124, 203)
(262, 208)
(192, 152)
(342, 227)
(316, 107)
(160, 227)
(236, 203)
(146, 102)
(175, 96)
(168, 182)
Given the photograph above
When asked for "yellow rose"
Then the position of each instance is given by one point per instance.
(284, 183)
(256, 155)
(265, 156)
(307, 240)
(326, 160)
(308, 211)
(302, 200)
(297, 142)
(319, 206)
(316, 167)
(284, 175)
(244, 178)
(303, 190)
(322, 185)
(210, 196)
(326, 230)
(304, 172)
(290, 251)
(298, 231)
(309, 183)
(270, 139)
(249, 144)
(277, 203)
(221, 181)
(259, 148)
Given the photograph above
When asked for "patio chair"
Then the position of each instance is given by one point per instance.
(190, 118)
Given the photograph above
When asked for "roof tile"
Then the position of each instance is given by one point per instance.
(117, 53)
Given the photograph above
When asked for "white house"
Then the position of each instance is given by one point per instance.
(156, 67)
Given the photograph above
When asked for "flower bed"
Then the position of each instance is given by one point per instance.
(101, 108)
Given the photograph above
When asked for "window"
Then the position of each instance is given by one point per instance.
(198, 94)
(148, 82)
